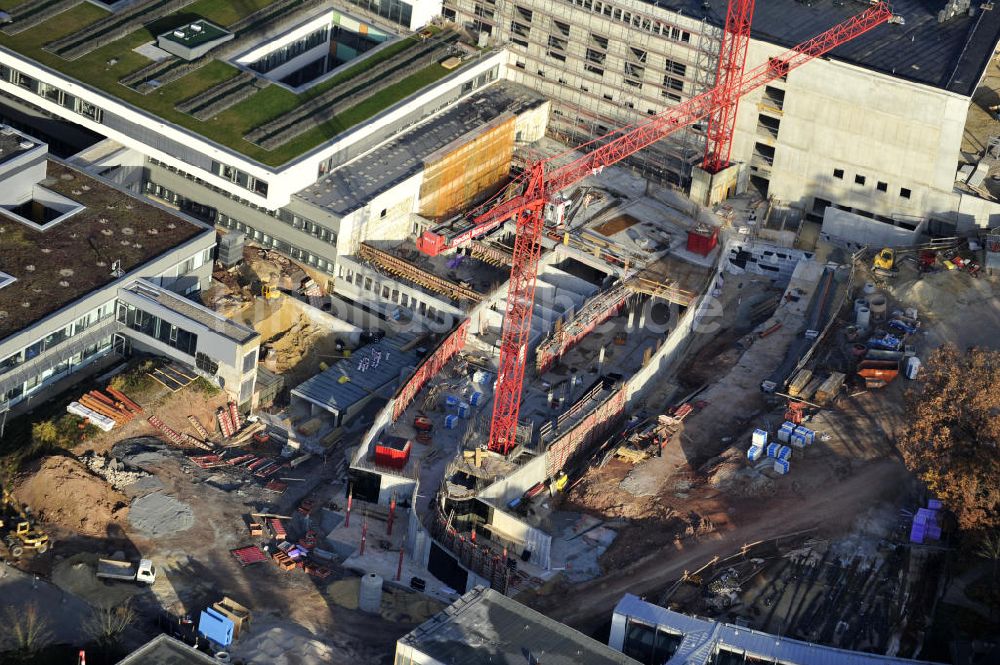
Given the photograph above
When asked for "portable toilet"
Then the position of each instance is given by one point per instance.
(772, 449)
(450, 422)
(759, 438)
(754, 453)
(781, 466)
(784, 453)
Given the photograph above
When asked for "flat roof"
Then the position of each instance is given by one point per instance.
(165, 650)
(368, 370)
(60, 265)
(484, 626)
(226, 327)
(195, 34)
(702, 638)
(354, 184)
(13, 144)
(950, 55)
(103, 69)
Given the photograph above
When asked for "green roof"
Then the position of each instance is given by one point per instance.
(104, 67)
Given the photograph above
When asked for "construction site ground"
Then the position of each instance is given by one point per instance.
(186, 520)
(703, 499)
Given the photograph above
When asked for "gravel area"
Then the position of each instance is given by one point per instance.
(156, 515)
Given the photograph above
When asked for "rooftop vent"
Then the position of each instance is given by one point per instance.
(195, 27)
(179, 34)
(26, 145)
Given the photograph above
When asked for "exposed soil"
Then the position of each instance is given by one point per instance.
(61, 491)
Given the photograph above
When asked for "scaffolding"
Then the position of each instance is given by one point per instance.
(401, 268)
(596, 311)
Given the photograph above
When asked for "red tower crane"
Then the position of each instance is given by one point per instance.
(543, 180)
(732, 60)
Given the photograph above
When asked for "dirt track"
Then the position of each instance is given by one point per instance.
(834, 505)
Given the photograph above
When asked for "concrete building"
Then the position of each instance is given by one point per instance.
(90, 272)
(656, 636)
(484, 626)
(875, 128)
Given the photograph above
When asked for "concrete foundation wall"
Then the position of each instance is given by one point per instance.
(854, 231)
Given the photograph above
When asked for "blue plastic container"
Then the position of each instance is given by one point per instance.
(476, 399)
(772, 449)
(785, 432)
(463, 410)
(781, 466)
(450, 400)
(759, 438)
(784, 453)
(754, 453)
(450, 422)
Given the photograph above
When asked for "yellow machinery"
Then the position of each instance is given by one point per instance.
(18, 532)
(885, 260)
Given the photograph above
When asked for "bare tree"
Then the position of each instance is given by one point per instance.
(29, 628)
(107, 623)
(989, 549)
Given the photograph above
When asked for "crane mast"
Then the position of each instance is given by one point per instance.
(543, 181)
(732, 60)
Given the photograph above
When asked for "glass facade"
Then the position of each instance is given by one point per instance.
(394, 10)
(648, 644)
(155, 327)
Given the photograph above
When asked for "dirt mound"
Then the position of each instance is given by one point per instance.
(731, 473)
(61, 491)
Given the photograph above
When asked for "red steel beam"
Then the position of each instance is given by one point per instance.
(732, 60)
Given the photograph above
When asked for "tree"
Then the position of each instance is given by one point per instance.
(29, 629)
(989, 549)
(952, 440)
(44, 432)
(107, 623)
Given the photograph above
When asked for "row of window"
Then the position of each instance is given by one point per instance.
(65, 367)
(266, 240)
(394, 10)
(489, 76)
(283, 54)
(244, 180)
(389, 292)
(51, 93)
(904, 192)
(638, 21)
(42, 345)
(153, 326)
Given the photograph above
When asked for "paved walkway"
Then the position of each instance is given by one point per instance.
(63, 613)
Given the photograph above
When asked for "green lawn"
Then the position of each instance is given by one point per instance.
(228, 127)
(225, 12)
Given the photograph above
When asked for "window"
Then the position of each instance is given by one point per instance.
(249, 361)
(904, 193)
(561, 27)
(882, 186)
(674, 67)
(596, 56)
(838, 174)
(859, 180)
(593, 69)
(672, 83)
(206, 364)
(524, 13)
(88, 110)
(25, 81)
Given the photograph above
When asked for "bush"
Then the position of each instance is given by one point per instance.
(203, 386)
(63, 432)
